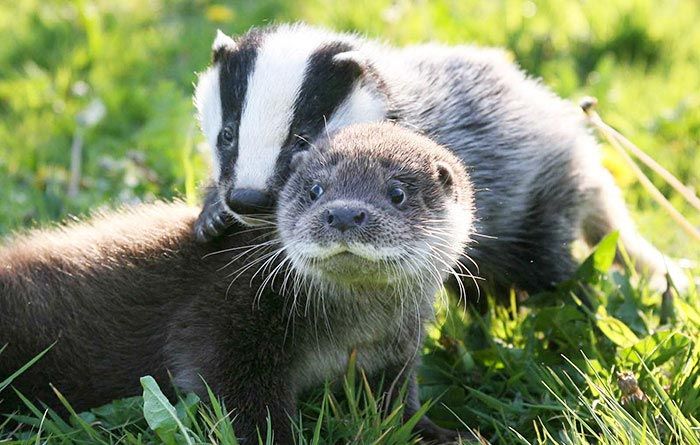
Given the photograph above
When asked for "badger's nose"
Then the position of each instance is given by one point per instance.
(249, 201)
(345, 218)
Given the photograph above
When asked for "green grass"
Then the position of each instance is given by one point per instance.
(542, 371)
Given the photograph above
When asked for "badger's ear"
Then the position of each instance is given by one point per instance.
(353, 59)
(358, 62)
(222, 44)
(445, 176)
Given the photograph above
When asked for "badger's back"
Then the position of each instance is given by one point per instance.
(530, 157)
(510, 130)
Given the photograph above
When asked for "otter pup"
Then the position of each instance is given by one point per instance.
(366, 229)
(538, 181)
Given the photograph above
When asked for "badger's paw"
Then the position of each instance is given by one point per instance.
(212, 223)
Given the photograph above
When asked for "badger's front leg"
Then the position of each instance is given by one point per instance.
(215, 217)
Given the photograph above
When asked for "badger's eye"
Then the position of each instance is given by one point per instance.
(300, 144)
(397, 196)
(315, 191)
(227, 135)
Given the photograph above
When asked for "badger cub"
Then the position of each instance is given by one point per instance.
(366, 228)
(538, 181)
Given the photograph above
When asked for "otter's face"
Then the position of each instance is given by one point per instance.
(266, 95)
(377, 204)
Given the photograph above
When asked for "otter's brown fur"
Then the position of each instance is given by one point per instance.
(100, 290)
(130, 293)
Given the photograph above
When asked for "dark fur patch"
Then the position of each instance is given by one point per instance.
(235, 68)
(327, 83)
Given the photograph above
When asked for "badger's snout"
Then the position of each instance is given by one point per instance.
(345, 218)
(245, 201)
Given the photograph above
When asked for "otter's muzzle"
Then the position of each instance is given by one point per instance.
(249, 201)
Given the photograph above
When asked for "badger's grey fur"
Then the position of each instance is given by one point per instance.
(539, 183)
(131, 293)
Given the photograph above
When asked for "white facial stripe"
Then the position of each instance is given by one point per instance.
(273, 87)
(207, 99)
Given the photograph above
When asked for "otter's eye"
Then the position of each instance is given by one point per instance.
(397, 196)
(301, 144)
(227, 136)
(315, 191)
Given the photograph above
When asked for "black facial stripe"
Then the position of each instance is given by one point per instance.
(234, 71)
(326, 85)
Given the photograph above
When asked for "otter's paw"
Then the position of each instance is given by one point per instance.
(435, 435)
(211, 223)
(455, 438)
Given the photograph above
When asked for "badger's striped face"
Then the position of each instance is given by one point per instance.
(272, 92)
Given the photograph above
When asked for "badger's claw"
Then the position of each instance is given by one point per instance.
(211, 223)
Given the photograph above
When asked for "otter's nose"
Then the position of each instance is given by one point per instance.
(249, 201)
(345, 218)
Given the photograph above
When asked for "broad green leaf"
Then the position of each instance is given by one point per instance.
(120, 411)
(186, 407)
(688, 311)
(604, 253)
(657, 348)
(600, 260)
(160, 414)
(615, 330)
(405, 431)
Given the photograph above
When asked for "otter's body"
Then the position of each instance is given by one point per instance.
(130, 294)
(259, 315)
(105, 292)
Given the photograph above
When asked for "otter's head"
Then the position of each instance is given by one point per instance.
(267, 94)
(376, 204)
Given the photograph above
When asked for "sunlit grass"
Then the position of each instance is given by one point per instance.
(549, 370)
(544, 370)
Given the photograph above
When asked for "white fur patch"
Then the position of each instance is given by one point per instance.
(462, 225)
(362, 250)
(222, 41)
(207, 99)
(362, 105)
(357, 56)
(273, 87)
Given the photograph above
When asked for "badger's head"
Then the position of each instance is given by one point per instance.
(268, 94)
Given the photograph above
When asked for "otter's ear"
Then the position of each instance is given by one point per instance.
(222, 44)
(445, 176)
